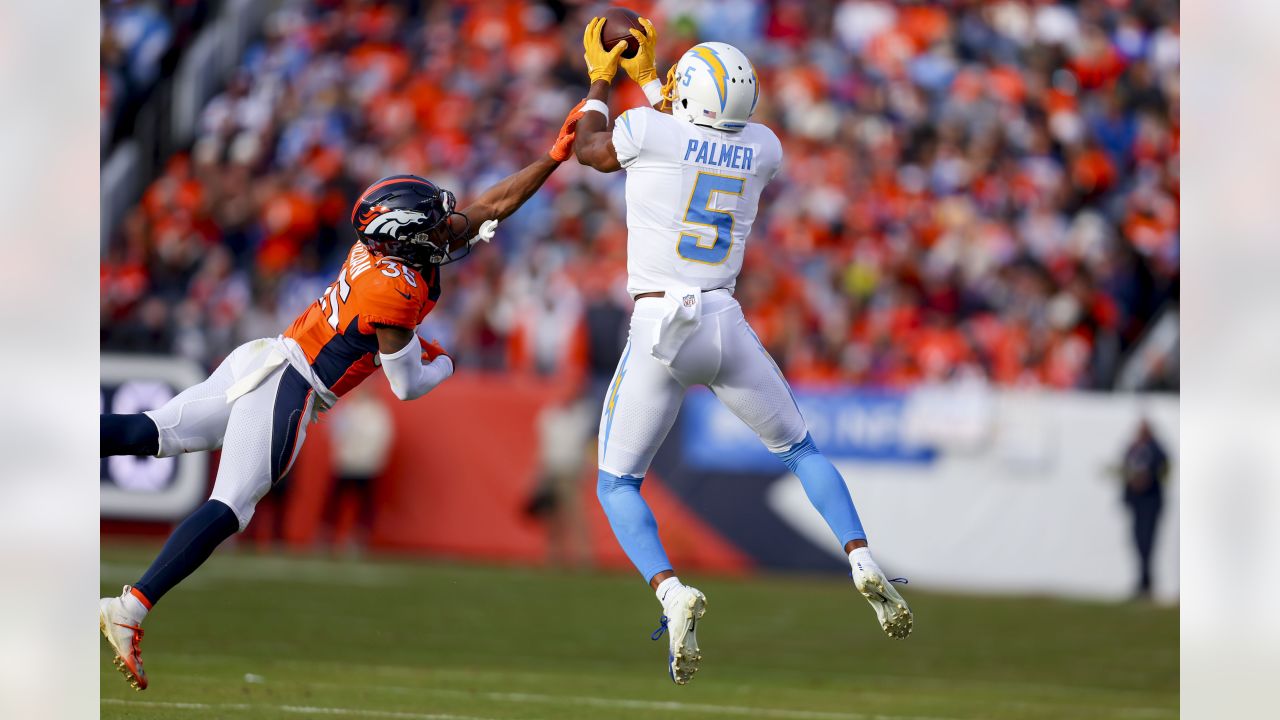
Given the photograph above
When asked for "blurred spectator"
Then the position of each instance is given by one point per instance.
(972, 187)
(135, 37)
(361, 433)
(140, 41)
(565, 454)
(1145, 467)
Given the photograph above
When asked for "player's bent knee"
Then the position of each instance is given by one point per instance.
(792, 456)
(231, 513)
(241, 503)
(243, 516)
(608, 484)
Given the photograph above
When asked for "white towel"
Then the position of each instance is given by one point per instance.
(683, 314)
(255, 378)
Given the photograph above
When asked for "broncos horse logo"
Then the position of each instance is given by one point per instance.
(389, 223)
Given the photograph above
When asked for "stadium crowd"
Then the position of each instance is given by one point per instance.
(140, 41)
(971, 188)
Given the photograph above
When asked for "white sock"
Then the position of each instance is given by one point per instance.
(134, 607)
(862, 557)
(666, 587)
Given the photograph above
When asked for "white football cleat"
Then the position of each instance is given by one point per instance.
(891, 609)
(124, 632)
(683, 610)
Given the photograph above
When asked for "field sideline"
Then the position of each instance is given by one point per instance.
(265, 636)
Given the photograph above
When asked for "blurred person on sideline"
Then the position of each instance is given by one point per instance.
(1145, 467)
(563, 453)
(362, 434)
(567, 428)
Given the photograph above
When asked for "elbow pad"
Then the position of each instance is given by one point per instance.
(409, 377)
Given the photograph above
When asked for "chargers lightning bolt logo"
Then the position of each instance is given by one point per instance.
(718, 71)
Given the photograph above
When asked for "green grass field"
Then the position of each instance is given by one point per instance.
(253, 636)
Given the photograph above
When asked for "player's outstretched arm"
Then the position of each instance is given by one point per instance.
(508, 194)
(594, 143)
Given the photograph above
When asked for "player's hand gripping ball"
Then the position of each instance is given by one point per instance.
(602, 64)
(618, 24)
(642, 65)
(563, 146)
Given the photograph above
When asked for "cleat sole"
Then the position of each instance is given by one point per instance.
(686, 661)
(116, 659)
(894, 616)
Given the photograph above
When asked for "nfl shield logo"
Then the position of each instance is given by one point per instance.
(689, 300)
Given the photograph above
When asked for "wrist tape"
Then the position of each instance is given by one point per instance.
(596, 106)
(653, 91)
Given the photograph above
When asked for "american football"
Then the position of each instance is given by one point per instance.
(803, 361)
(618, 22)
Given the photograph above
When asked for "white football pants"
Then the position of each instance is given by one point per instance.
(724, 354)
(260, 432)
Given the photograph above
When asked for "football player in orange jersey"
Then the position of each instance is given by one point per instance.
(257, 404)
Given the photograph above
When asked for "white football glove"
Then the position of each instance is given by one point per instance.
(487, 230)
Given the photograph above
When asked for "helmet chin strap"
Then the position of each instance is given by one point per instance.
(668, 90)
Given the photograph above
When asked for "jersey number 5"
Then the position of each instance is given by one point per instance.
(693, 246)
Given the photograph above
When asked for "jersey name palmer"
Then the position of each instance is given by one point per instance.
(721, 154)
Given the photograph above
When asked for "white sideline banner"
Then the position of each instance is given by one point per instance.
(148, 488)
(1025, 501)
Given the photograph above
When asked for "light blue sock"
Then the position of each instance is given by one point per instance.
(825, 488)
(632, 522)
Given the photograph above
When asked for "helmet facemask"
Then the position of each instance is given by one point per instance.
(433, 243)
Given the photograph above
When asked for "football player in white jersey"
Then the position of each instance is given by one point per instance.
(694, 179)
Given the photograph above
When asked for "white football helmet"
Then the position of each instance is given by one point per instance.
(715, 86)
